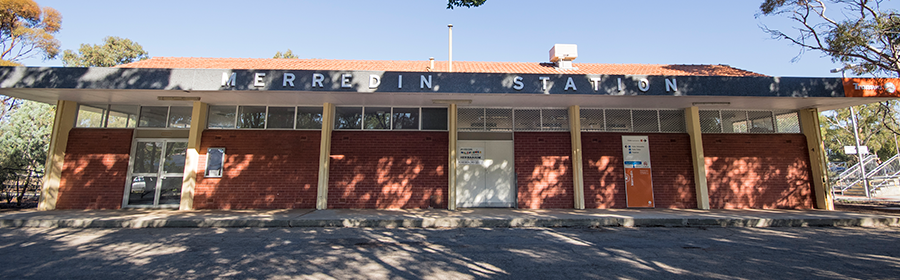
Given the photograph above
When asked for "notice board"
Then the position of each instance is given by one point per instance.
(638, 182)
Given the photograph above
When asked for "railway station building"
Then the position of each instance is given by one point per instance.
(229, 133)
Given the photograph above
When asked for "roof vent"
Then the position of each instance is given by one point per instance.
(563, 54)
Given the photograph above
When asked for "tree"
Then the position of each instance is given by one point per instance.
(876, 124)
(464, 3)
(26, 30)
(865, 38)
(287, 54)
(114, 51)
(24, 143)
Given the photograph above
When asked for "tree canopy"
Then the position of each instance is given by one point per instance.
(27, 30)
(464, 3)
(856, 33)
(114, 51)
(287, 54)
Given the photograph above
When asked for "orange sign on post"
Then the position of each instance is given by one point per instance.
(638, 182)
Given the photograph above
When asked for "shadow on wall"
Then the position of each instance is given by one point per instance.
(263, 170)
(390, 169)
(95, 169)
(604, 170)
(758, 171)
(544, 170)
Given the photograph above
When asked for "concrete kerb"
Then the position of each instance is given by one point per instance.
(496, 218)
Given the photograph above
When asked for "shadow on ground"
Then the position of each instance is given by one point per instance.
(517, 253)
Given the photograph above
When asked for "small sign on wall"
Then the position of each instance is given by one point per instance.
(471, 155)
(215, 162)
(638, 182)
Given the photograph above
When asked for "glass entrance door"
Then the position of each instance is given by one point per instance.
(157, 169)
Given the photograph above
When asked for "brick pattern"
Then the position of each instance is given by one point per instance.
(389, 169)
(671, 170)
(758, 171)
(264, 169)
(544, 170)
(95, 169)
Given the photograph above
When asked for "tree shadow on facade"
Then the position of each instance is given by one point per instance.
(544, 170)
(758, 171)
(390, 169)
(95, 169)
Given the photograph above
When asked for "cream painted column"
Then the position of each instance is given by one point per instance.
(66, 113)
(192, 160)
(809, 124)
(692, 122)
(451, 162)
(325, 155)
(577, 167)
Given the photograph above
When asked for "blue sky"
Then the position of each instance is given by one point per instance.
(656, 32)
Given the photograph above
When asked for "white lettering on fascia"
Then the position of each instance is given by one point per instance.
(228, 81)
(317, 80)
(671, 85)
(596, 83)
(288, 79)
(374, 81)
(258, 79)
(345, 80)
(423, 82)
(644, 85)
(544, 83)
(517, 83)
(399, 81)
(619, 85)
(570, 84)
(865, 87)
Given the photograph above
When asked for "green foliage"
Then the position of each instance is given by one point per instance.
(26, 30)
(877, 127)
(25, 136)
(464, 3)
(114, 51)
(287, 54)
(866, 37)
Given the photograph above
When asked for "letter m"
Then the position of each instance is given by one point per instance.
(228, 81)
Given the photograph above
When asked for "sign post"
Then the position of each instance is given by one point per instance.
(638, 182)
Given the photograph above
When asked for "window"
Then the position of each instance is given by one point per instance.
(280, 117)
(348, 118)
(222, 116)
(378, 118)
(434, 118)
(309, 117)
(251, 117)
(165, 116)
(106, 116)
(405, 118)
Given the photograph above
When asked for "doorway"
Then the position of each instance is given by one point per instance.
(156, 172)
(485, 174)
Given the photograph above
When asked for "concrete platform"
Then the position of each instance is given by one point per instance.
(432, 218)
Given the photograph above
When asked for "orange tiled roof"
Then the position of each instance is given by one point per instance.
(440, 66)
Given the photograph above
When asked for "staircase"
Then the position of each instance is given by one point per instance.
(881, 177)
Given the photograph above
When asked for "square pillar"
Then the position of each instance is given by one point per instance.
(198, 123)
(451, 161)
(809, 124)
(698, 160)
(64, 121)
(577, 167)
(325, 156)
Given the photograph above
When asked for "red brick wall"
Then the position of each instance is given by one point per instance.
(671, 170)
(544, 169)
(389, 169)
(758, 171)
(95, 169)
(264, 169)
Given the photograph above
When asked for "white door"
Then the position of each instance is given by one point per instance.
(157, 171)
(487, 180)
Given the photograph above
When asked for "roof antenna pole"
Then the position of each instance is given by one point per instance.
(450, 27)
